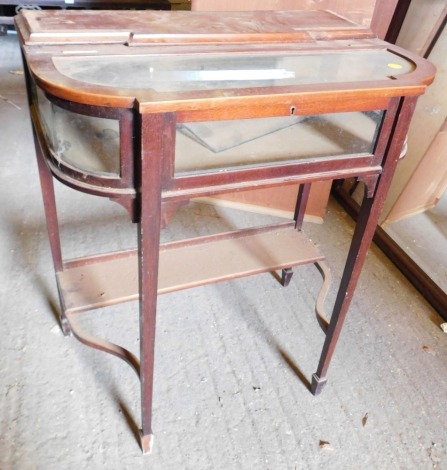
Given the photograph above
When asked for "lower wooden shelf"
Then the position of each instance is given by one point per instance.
(101, 280)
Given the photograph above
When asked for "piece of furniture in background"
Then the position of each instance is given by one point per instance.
(415, 216)
(421, 179)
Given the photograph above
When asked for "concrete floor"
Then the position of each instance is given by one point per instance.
(230, 358)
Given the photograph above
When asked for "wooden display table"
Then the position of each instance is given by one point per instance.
(152, 109)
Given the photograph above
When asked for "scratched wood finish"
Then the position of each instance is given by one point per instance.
(184, 27)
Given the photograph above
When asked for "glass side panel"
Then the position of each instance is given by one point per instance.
(212, 71)
(222, 145)
(90, 144)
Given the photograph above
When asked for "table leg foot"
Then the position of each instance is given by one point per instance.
(317, 384)
(147, 441)
(65, 326)
(286, 276)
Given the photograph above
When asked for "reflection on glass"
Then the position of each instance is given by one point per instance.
(87, 143)
(224, 71)
(213, 146)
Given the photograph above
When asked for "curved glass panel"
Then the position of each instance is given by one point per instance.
(90, 144)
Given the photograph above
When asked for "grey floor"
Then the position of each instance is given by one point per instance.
(232, 359)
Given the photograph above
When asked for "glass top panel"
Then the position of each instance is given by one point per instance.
(223, 71)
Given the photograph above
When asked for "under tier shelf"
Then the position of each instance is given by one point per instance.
(107, 279)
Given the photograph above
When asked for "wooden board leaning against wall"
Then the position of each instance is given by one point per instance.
(281, 201)
(421, 177)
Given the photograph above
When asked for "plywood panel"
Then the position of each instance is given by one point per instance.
(427, 184)
(420, 21)
(280, 201)
(430, 115)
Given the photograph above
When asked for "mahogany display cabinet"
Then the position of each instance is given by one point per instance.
(151, 109)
